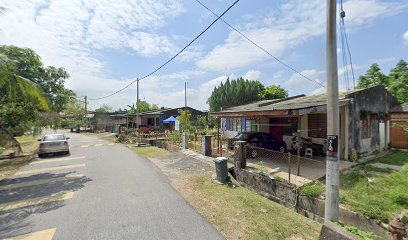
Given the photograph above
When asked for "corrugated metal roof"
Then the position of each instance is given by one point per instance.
(400, 108)
(291, 103)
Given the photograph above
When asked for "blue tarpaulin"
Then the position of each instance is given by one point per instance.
(170, 120)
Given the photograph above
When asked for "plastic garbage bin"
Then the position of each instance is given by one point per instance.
(221, 169)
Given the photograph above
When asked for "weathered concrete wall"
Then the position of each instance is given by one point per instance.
(287, 195)
(375, 100)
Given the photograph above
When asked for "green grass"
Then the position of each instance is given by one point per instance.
(314, 189)
(241, 214)
(152, 152)
(395, 158)
(28, 143)
(385, 196)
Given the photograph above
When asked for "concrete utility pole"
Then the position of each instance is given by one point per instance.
(332, 158)
(185, 105)
(86, 112)
(137, 109)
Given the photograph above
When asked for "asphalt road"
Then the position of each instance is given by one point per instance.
(100, 191)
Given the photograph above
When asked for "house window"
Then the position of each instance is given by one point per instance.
(317, 125)
(365, 127)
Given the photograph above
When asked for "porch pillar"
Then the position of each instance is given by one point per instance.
(346, 135)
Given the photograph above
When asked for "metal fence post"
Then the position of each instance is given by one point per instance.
(289, 165)
(298, 164)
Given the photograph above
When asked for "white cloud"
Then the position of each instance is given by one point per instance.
(405, 36)
(68, 34)
(252, 75)
(292, 24)
(300, 85)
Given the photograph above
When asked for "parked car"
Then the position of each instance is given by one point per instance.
(260, 140)
(53, 143)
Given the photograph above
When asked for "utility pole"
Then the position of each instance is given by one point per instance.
(86, 113)
(137, 110)
(332, 159)
(185, 105)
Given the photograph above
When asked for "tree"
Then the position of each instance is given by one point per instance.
(206, 121)
(184, 118)
(234, 92)
(373, 77)
(73, 114)
(50, 79)
(21, 100)
(398, 81)
(104, 108)
(273, 92)
(242, 91)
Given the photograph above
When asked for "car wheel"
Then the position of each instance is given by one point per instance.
(66, 152)
(282, 149)
(254, 153)
(40, 155)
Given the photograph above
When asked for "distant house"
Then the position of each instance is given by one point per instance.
(155, 117)
(111, 121)
(364, 119)
(399, 118)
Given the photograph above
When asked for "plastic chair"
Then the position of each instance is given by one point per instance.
(309, 152)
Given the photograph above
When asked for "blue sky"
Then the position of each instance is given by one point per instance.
(105, 44)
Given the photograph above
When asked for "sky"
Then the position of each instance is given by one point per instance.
(107, 44)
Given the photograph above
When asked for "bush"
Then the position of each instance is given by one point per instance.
(362, 234)
(314, 189)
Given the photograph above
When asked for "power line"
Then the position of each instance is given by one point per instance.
(172, 58)
(342, 24)
(261, 48)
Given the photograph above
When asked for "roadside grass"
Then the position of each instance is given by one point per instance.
(28, 143)
(375, 192)
(241, 214)
(151, 152)
(395, 158)
(10, 166)
(314, 189)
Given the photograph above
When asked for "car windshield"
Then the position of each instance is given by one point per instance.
(53, 137)
(242, 136)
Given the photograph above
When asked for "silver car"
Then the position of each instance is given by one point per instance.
(53, 143)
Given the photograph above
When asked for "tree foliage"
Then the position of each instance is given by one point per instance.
(373, 77)
(104, 108)
(273, 92)
(396, 82)
(242, 91)
(27, 64)
(184, 118)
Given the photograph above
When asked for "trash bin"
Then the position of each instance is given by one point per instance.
(221, 169)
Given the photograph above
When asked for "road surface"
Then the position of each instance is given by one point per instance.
(101, 190)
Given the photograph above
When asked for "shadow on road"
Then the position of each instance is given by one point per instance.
(48, 185)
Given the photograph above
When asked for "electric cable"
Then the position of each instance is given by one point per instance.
(172, 58)
(261, 48)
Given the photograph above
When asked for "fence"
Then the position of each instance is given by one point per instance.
(271, 161)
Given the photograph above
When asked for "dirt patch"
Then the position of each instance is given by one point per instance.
(235, 211)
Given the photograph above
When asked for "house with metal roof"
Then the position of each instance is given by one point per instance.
(364, 119)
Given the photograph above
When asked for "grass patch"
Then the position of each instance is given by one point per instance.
(10, 166)
(376, 196)
(152, 152)
(28, 143)
(362, 234)
(241, 214)
(314, 189)
(395, 158)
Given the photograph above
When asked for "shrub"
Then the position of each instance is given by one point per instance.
(314, 189)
